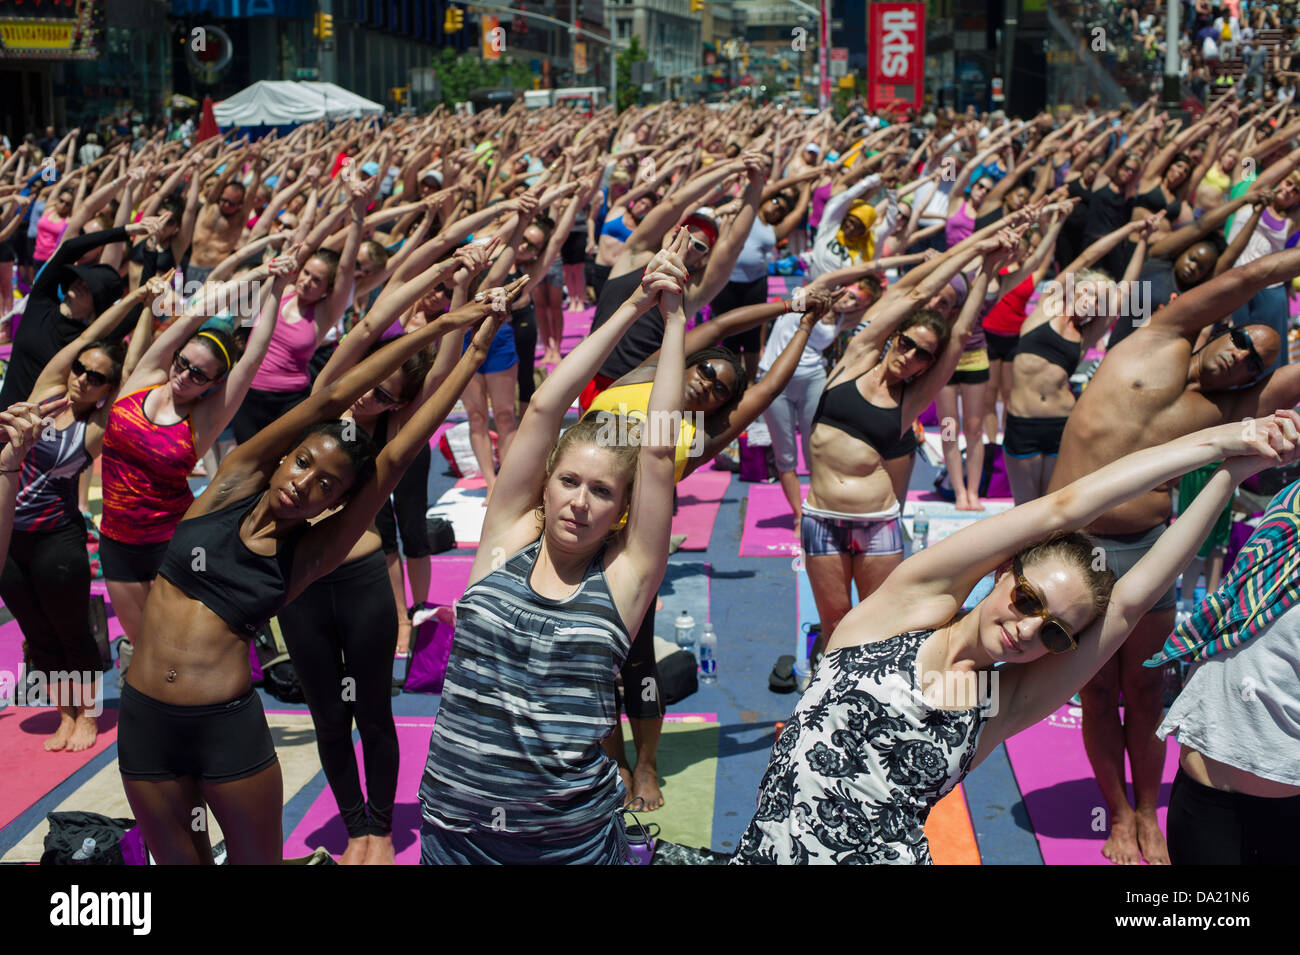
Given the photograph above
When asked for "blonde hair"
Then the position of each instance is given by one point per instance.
(596, 429)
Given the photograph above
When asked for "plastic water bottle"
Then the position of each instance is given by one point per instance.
(920, 530)
(686, 631)
(708, 655)
(86, 851)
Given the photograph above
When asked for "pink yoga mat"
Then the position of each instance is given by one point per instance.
(1061, 794)
(447, 580)
(323, 826)
(698, 499)
(769, 523)
(29, 773)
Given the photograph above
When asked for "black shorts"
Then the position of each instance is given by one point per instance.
(1001, 347)
(574, 250)
(7, 251)
(260, 408)
(130, 562)
(597, 276)
(218, 742)
(1030, 437)
(976, 377)
(1211, 827)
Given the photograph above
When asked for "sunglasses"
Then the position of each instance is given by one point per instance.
(1241, 339)
(720, 391)
(185, 368)
(93, 378)
(906, 344)
(699, 245)
(1028, 602)
(384, 398)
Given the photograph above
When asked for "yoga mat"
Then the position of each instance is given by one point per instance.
(1066, 809)
(295, 745)
(464, 508)
(769, 523)
(447, 580)
(949, 830)
(323, 826)
(688, 772)
(27, 770)
(11, 642)
(945, 519)
(698, 499)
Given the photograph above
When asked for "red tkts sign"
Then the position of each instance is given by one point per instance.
(896, 55)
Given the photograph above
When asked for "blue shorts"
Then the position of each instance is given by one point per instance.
(822, 536)
(501, 354)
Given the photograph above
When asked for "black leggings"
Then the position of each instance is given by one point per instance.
(639, 668)
(1210, 827)
(342, 634)
(46, 586)
(260, 408)
(411, 501)
(524, 323)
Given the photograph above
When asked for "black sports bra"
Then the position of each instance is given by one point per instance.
(1045, 342)
(842, 406)
(1155, 201)
(242, 588)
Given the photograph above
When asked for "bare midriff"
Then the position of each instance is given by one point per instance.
(1041, 389)
(848, 475)
(1225, 778)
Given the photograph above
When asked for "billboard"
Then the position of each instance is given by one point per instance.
(895, 56)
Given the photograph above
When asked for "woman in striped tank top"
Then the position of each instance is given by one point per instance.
(174, 404)
(516, 771)
(46, 578)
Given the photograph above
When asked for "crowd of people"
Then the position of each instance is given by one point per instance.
(294, 317)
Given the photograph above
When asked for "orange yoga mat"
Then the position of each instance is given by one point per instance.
(952, 838)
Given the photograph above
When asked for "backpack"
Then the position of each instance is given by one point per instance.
(278, 675)
(85, 838)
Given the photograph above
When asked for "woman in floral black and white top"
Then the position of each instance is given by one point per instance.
(906, 702)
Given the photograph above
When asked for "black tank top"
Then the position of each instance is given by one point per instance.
(151, 263)
(643, 339)
(1155, 201)
(207, 560)
(843, 407)
(1046, 343)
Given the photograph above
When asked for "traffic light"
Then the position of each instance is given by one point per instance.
(325, 25)
(398, 94)
(455, 20)
(697, 6)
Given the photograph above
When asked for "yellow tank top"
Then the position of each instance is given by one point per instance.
(632, 401)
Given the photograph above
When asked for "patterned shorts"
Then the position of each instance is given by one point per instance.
(821, 536)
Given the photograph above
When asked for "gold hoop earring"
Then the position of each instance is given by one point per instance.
(540, 512)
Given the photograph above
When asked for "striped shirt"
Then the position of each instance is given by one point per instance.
(528, 698)
(47, 492)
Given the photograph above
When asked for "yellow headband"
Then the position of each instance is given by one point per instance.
(213, 338)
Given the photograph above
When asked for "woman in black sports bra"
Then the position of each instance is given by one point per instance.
(891, 371)
(1070, 318)
(235, 560)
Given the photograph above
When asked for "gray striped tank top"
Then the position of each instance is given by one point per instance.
(529, 695)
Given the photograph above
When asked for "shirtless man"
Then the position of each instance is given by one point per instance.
(220, 224)
(1153, 387)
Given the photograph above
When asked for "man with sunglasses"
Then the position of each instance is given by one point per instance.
(221, 223)
(1151, 388)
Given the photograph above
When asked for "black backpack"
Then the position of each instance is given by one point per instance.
(278, 675)
(68, 841)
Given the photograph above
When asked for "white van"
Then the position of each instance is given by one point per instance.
(586, 100)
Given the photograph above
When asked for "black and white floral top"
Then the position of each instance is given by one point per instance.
(859, 765)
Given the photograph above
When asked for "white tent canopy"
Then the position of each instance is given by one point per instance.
(284, 103)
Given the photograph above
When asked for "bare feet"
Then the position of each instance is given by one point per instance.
(626, 775)
(84, 732)
(59, 741)
(645, 785)
(1150, 839)
(969, 504)
(381, 851)
(1122, 846)
(357, 851)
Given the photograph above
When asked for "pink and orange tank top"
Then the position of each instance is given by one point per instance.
(146, 473)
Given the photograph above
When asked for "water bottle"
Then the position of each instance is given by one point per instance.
(686, 631)
(86, 851)
(920, 530)
(708, 655)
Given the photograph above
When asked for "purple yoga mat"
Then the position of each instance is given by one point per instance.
(1060, 793)
(323, 826)
(769, 523)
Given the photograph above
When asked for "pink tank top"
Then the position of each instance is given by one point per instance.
(146, 473)
(960, 225)
(287, 356)
(48, 234)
